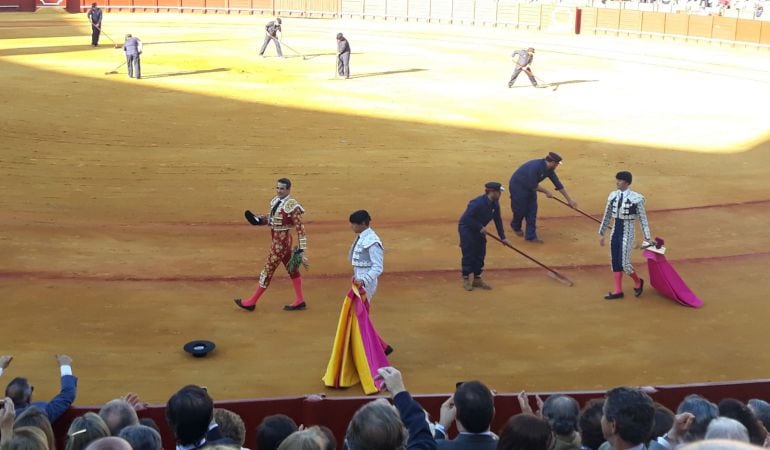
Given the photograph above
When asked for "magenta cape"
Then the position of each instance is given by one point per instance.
(667, 281)
(358, 351)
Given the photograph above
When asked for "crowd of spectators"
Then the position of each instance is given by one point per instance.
(625, 418)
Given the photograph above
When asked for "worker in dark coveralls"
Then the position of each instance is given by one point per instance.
(473, 240)
(343, 56)
(133, 48)
(271, 34)
(95, 17)
(524, 186)
(523, 60)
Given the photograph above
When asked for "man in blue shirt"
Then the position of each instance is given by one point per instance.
(524, 186)
(20, 391)
(473, 240)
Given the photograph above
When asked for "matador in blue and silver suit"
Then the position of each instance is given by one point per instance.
(625, 206)
(473, 241)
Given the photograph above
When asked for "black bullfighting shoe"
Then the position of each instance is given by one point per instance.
(298, 307)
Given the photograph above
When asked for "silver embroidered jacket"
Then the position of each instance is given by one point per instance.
(367, 257)
(632, 208)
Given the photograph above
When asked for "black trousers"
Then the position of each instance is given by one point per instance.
(95, 32)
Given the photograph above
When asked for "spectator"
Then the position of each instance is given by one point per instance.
(146, 421)
(230, 425)
(472, 408)
(189, 413)
(118, 414)
(273, 430)
(590, 422)
(761, 410)
(562, 412)
(377, 426)
(727, 428)
(735, 409)
(526, 432)
(26, 438)
(84, 430)
(627, 419)
(309, 439)
(719, 444)
(664, 419)
(5, 361)
(703, 412)
(20, 391)
(35, 417)
(331, 441)
(109, 443)
(141, 437)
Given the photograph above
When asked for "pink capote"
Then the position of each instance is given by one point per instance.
(358, 351)
(667, 281)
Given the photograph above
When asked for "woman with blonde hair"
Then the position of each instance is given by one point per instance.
(35, 417)
(84, 430)
(26, 438)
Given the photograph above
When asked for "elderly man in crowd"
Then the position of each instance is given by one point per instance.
(141, 437)
(693, 416)
(562, 412)
(118, 414)
(378, 426)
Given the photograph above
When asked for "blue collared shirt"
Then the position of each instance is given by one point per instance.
(480, 211)
(530, 174)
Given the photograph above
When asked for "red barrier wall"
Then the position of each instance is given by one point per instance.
(18, 5)
(336, 412)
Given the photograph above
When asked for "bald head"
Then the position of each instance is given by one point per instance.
(109, 443)
(562, 413)
(118, 414)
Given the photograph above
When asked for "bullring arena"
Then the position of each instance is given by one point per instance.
(123, 235)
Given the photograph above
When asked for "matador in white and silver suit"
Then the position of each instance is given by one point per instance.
(625, 207)
(367, 253)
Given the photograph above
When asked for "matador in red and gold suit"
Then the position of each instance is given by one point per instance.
(285, 214)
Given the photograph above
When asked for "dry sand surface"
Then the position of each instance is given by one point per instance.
(122, 235)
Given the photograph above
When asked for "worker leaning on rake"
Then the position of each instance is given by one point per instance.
(95, 18)
(473, 239)
(523, 59)
(133, 49)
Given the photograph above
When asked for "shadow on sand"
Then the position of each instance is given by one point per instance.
(188, 72)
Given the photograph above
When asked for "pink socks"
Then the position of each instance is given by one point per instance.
(298, 296)
(618, 278)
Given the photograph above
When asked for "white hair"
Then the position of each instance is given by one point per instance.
(726, 428)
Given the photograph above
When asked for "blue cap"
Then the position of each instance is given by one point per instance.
(494, 186)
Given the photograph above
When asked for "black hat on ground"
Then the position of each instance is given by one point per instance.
(199, 349)
(494, 186)
(625, 176)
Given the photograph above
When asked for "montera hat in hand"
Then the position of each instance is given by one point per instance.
(199, 349)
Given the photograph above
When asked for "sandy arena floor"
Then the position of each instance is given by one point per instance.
(122, 235)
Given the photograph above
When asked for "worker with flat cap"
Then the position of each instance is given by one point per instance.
(524, 186)
(473, 239)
